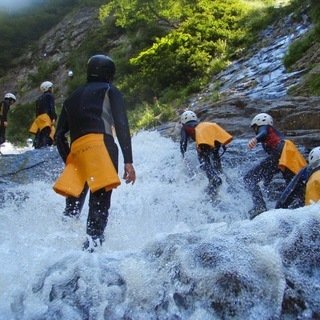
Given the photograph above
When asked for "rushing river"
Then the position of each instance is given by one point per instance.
(169, 253)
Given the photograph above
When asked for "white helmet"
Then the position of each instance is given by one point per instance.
(314, 155)
(262, 119)
(10, 96)
(188, 116)
(45, 86)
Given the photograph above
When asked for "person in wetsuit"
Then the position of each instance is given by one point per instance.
(88, 116)
(209, 138)
(9, 100)
(273, 143)
(304, 188)
(43, 126)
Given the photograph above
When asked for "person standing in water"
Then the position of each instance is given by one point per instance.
(88, 115)
(9, 100)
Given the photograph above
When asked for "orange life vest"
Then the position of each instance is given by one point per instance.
(291, 158)
(313, 188)
(89, 161)
(208, 133)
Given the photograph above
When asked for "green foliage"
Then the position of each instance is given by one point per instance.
(315, 84)
(148, 116)
(165, 50)
(310, 86)
(299, 47)
(200, 37)
(20, 119)
(131, 14)
(22, 29)
(44, 73)
(315, 11)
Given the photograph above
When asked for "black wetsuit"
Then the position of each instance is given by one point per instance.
(273, 143)
(294, 194)
(45, 104)
(94, 108)
(4, 109)
(208, 157)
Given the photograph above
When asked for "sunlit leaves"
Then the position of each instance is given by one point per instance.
(132, 12)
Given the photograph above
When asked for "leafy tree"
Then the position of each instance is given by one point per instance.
(133, 13)
(20, 29)
(199, 33)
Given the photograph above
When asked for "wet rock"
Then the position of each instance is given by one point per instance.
(259, 83)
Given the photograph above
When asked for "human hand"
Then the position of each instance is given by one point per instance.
(5, 123)
(129, 173)
(252, 143)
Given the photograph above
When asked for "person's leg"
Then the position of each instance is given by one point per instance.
(205, 164)
(44, 137)
(99, 204)
(74, 205)
(2, 135)
(262, 172)
(216, 158)
(36, 141)
(2, 140)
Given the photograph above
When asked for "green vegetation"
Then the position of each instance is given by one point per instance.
(169, 49)
(21, 29)
(200, 38)
(301, 46)
(45, 71)
(21, 117)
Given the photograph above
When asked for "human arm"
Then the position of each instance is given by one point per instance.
(51, 107)
(183, 141)
(129, 173)
(262, 134)
(121, 125)
(60, 136)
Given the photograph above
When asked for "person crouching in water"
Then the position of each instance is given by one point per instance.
(88, 115)
(209, 138)
(304, 188)
(282, 157)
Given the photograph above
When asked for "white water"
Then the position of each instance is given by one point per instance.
(39, 251)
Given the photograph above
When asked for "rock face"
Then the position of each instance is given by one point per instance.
(297, 117)
(260, 83)
(53, 48)
(256, 83)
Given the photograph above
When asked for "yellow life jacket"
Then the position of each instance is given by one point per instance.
(313, 188)
(89, 161)
(291, 158)
(40, 123)
(208, 133)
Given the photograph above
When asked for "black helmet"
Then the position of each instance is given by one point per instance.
(100, 68)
